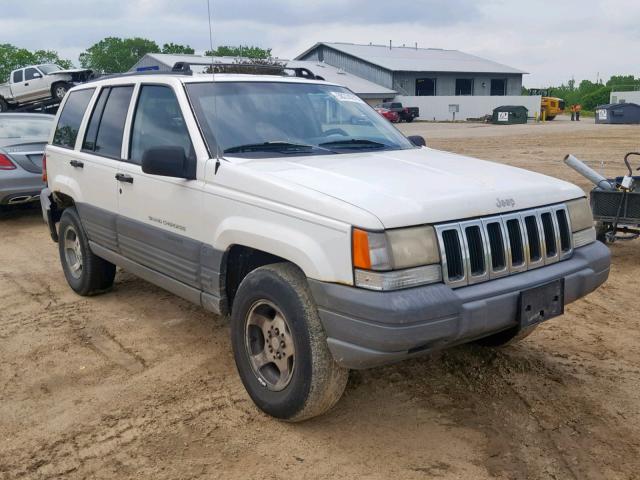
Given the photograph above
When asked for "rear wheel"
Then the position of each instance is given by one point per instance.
(86, 273)
(280, 347)
(506, 337)
(4, 106)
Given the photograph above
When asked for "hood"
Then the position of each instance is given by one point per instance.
(418, 186)
(71, 71)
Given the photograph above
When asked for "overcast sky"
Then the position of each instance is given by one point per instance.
(553, 40)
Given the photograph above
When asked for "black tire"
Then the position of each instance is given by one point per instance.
(409, 119)
(601, 231)
(316, 381)
(4, 106)
(551, 117)
(94, 274)
(59, 90)
(506, 337)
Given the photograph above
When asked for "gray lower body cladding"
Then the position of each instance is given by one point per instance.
(186, 267)
(367, 329)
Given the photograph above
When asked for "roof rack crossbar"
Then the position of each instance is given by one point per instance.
(300, 72)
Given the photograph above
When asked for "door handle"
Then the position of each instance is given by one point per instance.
(76, 164)
(121, 177)
(26, 84)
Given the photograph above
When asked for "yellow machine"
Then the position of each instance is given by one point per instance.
(551, 106)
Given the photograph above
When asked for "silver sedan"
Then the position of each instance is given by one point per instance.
(23, 137)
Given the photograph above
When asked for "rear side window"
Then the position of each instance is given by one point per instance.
(71, 118)
(158, 122)
(106, 126)
(17, 76)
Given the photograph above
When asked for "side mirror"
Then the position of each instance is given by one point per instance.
(168, 162)
(417, 140)
(36, 75)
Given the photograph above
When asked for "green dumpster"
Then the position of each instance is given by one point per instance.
(509, 114)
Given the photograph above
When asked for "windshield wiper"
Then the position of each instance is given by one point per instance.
(355, 143)
(273, 146)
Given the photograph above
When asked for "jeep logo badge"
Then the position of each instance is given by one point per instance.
(505, 202)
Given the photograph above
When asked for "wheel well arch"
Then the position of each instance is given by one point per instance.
(237, 262)
(56, 83)
(62, 200)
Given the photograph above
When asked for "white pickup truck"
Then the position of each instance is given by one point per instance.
(333, 241)
(37, 83)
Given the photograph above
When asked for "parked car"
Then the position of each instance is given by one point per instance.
(393, 117)
(332, 244)
(405, 114)
(37, 83)
(23, 137)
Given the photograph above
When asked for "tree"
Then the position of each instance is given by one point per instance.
(241, 51)
(175, 48)
(12, 57)
(114, 55)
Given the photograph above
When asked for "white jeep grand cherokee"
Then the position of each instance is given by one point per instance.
(333, 241)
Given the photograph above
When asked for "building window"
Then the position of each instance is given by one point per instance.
(498, 86)
(464, 86)
(425, 87)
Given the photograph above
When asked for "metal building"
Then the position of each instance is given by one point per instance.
(371, 92)
(415, 71)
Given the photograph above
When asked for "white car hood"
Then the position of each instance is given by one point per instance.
(72, 70)
(418, 186)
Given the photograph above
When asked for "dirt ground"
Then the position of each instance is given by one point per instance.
(138, 383)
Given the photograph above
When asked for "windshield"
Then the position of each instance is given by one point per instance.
(12, 127)
(47, 69)
(272, 119)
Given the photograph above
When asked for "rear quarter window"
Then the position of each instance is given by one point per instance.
(71, 118)
(106, 126)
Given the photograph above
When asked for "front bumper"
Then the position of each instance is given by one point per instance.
(367, 329)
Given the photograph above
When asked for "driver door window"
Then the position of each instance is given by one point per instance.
(158, 122)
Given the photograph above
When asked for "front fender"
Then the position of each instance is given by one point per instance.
(322, 253)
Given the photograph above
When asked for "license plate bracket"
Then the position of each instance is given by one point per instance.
(541, 303)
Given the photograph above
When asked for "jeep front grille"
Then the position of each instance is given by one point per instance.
(475, 251)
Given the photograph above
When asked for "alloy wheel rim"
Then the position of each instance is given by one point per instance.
(73, 252)
(269, 345)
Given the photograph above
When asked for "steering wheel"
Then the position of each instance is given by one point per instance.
(335, 131)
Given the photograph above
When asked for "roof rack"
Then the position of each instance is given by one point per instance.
(184, 68)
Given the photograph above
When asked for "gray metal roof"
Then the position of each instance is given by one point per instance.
(360, 86)
(411, 59)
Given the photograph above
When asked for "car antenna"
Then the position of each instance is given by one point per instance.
(213, 79)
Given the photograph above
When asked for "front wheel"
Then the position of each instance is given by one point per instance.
(86, 273)
(59, 90)
(280, 347)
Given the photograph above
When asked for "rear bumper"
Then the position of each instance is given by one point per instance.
(367, 329)
(18, 183)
